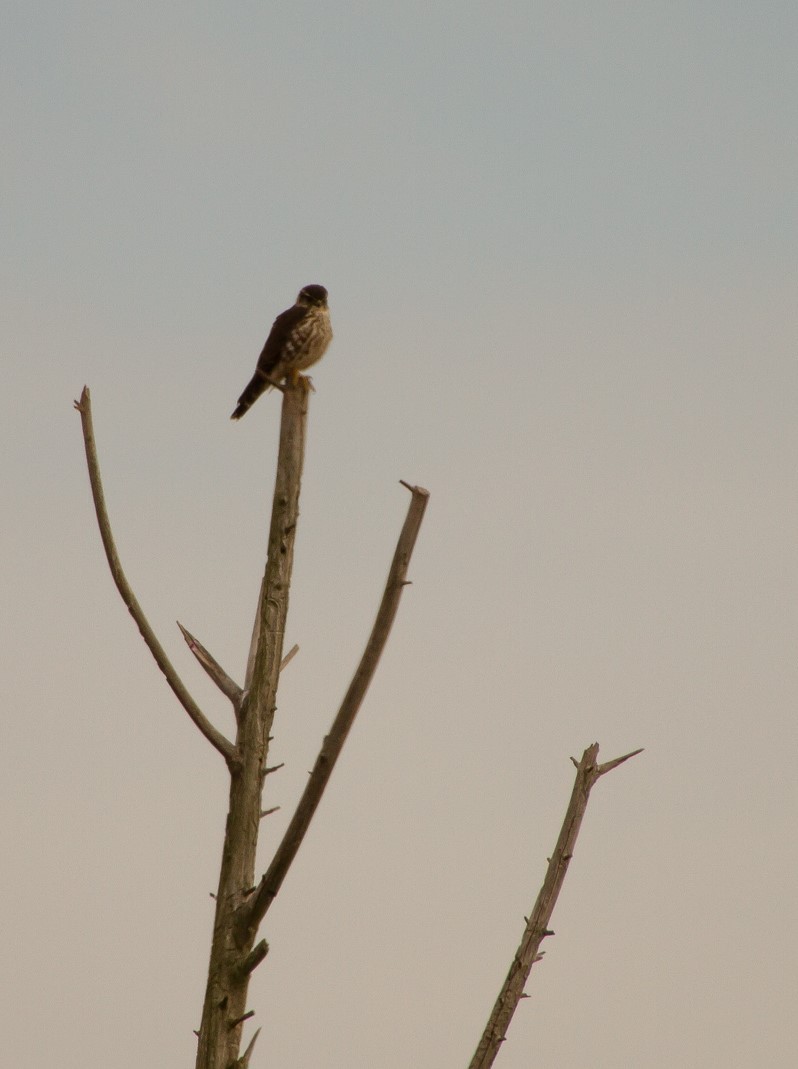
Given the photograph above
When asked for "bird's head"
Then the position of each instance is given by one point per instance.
(312, 296)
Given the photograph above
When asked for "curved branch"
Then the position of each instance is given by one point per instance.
(214, 737)
(271, 881)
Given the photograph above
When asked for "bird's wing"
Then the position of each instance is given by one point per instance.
(281, 328)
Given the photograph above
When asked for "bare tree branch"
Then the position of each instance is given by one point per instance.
(226, 685)
(608, 766)
(254, 958)
(243, 1061)
(226, 989)
(214, 737)
(253, 646)
(253, 643)
(255, 909)
(289, 656)
(537, 926)
(240, 1020)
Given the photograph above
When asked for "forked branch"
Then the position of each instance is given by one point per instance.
(271, 881)
(537, 925)
(214, 737)
(223, 681)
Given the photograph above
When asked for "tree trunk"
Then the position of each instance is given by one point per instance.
(232, 958)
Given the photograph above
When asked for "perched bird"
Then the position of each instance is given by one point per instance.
(298, 339)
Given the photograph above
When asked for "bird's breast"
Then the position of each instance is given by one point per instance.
(308, 342)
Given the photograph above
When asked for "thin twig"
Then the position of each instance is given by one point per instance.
(243, 1061)
(254, 958)
(253, 643)
(214, 737)
(272, 879)
(289, 656)
(240, 1020)
(537, 925)
(253, 647)
(226, 685)
(608, 766)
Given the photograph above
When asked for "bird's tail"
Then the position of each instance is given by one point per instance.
(254, 388)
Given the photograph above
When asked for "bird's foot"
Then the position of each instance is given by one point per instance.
(304, 382)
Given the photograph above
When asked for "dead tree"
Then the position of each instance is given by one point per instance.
(241, 900)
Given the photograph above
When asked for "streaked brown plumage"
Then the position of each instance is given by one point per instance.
(298, 339)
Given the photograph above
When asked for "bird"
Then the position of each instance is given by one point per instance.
(298, 339)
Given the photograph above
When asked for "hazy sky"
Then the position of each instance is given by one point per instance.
(560, 244)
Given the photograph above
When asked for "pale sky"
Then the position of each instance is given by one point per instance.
(560, 245)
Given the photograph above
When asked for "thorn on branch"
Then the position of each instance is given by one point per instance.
(211, 666)
(240, 1020)
(243, 1061)
(608, 766)
(414, 489)
(254, 958)
(545, 932)
(268, 812)
(272, 768)
(289, 656)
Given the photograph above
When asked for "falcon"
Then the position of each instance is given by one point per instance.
(298, 339)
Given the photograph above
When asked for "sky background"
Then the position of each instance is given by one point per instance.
(560, 245)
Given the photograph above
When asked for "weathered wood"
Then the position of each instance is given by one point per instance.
(254, 958)
(243, 1061)
(537, 924)
(224, 1008)
(240, 905)
(255, 909)
(226, 685)
(214, 737)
